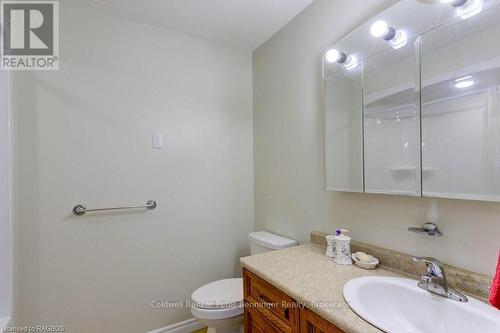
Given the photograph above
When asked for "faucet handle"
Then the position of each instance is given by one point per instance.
(429, 229)
(434, 266)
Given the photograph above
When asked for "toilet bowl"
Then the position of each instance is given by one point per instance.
(219, 304)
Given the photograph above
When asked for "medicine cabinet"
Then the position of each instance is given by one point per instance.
(412, 102)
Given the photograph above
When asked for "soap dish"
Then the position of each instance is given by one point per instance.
(366, 265)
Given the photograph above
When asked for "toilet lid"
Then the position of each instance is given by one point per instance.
(220, 294)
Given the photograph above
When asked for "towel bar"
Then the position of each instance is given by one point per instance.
(80, 210)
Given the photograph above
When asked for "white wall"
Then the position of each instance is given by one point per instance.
(5, 199)
(83, 135)
(289, 159)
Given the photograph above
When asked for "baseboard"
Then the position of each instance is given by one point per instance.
(186, 326)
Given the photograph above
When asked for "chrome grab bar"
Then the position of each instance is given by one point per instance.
(80, 209)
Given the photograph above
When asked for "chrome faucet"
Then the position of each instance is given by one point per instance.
(435, 280)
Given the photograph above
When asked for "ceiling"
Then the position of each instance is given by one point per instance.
(240, 23)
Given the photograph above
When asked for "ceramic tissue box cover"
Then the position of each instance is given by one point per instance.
(339, 247)
(343, 253)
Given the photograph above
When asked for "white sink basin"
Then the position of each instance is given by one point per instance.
(399, 305)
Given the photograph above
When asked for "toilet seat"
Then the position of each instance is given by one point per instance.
(224, 313)
(219, 299)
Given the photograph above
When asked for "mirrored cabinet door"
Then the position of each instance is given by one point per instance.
(343, 131)
(461, 108)
(392, 121)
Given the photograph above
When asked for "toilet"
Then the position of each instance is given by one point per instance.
(218, 305)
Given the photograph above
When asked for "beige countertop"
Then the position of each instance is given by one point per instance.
(307, 275)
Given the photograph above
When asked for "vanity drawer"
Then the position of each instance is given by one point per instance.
(262, 295)
(256, 322)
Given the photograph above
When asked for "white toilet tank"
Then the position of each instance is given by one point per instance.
(263, 241)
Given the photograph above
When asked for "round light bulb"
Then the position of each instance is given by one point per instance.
(447, 1)
(332, 55)
(379, 28)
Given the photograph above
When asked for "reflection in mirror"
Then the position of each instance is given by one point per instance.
(391, 121)
(343, 131)
(461, 108)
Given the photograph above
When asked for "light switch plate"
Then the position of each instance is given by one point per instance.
(157, 140)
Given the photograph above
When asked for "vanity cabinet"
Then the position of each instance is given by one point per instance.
(268, 309)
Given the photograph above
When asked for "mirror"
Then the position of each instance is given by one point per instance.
(391, 121)
(344, 131)
(408, 111)
(461, 108)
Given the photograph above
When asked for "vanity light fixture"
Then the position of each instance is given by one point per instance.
(464, 82)
(466, 8)
(397, 38)
(351, 62)
(381, 29)
(333, 55)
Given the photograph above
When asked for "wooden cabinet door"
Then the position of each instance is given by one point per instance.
(255, 322)
(268, 297)
(312, 323)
